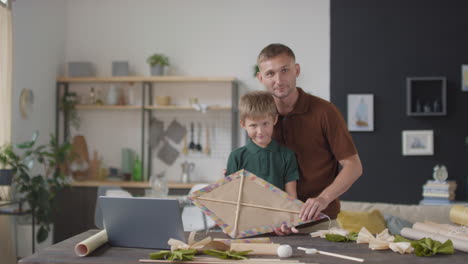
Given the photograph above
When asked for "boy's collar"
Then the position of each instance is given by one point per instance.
(252, 147)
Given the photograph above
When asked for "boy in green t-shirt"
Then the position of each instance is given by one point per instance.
(262, 155)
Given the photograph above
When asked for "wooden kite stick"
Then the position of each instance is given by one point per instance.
(249, 205)
(239, 197)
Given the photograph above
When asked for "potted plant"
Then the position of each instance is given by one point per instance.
(37, 191)
(157, 63)
(68, 104)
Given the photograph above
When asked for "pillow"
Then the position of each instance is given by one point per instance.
(396, 224)
(354, 221)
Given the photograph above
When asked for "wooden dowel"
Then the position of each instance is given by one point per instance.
(239, 197)
(340, 256)
(250, 260)
(249, 205)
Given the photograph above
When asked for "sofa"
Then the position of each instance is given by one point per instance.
(411, 213)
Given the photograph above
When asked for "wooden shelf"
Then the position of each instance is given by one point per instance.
(109, 107)
(185, 107)
(130, 79)
(130, 184)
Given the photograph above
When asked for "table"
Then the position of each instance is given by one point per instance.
(63, 252)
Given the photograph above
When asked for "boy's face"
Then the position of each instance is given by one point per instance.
(278, 75)
(260, 129)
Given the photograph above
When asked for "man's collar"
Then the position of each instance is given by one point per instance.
(302, 104)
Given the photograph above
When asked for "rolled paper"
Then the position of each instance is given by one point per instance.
(411, 233)
(459, 214)
(450, 232)
(257, 248)
(88, 245)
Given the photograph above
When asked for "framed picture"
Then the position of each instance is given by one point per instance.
(464, 79)
(361, 112)
(418, 142)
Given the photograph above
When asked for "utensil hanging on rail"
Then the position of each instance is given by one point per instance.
(199, 146)
(192, 141)
(207, 149)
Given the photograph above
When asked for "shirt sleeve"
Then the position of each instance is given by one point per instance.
(292, 171)
(338, 136)
(232, 164)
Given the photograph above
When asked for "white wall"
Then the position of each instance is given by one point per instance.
(201, 38)
(38, 55)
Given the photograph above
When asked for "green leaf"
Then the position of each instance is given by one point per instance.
(229, 254)
(399, 238)
(339, 238)
(426, 247)
(180, 254)
(42, 234)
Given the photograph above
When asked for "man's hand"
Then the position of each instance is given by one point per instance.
(285, 230)
(312, 208)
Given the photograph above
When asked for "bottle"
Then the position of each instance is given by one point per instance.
(92, 96)
(137, 169)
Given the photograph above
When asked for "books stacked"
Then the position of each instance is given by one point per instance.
(437, 192)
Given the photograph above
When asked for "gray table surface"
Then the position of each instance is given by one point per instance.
(63, 252)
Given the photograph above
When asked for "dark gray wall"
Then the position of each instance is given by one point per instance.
(375, 45)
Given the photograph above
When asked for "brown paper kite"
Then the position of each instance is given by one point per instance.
(243, 205)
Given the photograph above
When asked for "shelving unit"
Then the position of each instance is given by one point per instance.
(146, 107)
(426, 96)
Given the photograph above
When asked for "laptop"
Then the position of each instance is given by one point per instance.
(141, 222)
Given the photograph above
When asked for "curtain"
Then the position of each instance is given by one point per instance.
(6, 54)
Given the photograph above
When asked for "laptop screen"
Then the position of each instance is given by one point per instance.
(141, 222)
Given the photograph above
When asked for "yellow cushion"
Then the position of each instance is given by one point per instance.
(354, 221)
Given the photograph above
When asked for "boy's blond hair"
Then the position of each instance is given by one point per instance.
(257, 104)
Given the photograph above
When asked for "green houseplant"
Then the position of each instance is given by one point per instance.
(68, 104)
(37, 191)
(157, 62)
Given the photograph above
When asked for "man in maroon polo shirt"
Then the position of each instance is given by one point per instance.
(315, 130)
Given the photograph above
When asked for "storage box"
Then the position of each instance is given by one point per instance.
(120, 68)
(80, 69)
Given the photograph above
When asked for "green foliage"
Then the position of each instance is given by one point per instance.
(68, 106)
(256, 69)
(38, 191)
(426, 247)
(352, 236)
(228, 254)
(160, 59)
(180, 254)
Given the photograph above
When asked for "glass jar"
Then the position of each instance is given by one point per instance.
(159, 188)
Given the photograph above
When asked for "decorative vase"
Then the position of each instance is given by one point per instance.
(112, 95)
(157, 70)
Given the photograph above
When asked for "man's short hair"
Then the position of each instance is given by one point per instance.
(257, 104)
(274, 50)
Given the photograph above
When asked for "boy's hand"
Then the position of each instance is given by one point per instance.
(285, 230)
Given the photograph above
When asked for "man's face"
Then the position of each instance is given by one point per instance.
(278, 75)
(260, 129)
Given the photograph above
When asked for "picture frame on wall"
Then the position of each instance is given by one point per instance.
(361, 112)
(418, 142)
(464, 78)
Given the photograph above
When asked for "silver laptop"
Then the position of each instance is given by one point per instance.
(141, 222)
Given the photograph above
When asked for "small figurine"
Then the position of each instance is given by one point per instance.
(440, 173)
